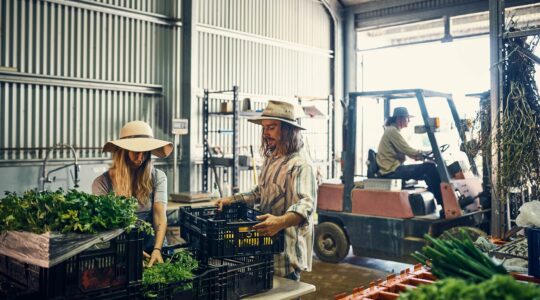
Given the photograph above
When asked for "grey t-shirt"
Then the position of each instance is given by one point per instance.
(102, 186)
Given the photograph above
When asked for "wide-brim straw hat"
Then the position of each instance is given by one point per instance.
(281, 111)
(137, 136)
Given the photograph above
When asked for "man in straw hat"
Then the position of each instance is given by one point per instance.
(392, 152)
(133, 174)
(286, 191)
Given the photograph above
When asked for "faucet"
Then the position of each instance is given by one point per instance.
(45, 178)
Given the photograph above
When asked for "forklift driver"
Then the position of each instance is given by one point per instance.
(392, 151)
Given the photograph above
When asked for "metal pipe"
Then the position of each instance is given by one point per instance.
(121, 11)
(45, 175)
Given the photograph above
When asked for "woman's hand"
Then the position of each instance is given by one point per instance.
(154, 258)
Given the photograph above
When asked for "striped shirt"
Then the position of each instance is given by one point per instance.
(287, 184)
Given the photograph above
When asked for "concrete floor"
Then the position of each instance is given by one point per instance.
(332, 279)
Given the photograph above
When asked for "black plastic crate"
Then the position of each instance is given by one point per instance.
(244, 276)
(204, 285)
(533, 241)
(228, 233)
(105, 268)
(11, 292)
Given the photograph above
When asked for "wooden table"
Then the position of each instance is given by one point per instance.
(285, 289)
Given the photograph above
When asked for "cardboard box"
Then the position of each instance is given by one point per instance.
(226, 107)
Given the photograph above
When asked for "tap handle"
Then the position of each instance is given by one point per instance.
(76, 176)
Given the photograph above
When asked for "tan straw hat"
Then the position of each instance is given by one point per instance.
(281, 111)
(137, 136)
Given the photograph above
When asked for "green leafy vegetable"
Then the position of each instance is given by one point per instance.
(498, 287)
(73, 211)
(176, 269)
(453, 257)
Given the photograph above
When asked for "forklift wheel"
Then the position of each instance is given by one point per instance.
(331, 243)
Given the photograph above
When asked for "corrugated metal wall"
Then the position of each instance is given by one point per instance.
(75, 72)
(272, 50)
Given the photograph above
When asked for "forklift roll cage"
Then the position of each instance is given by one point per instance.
(420, 95)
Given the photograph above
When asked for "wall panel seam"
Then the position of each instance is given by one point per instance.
(19, 77)
(120, 11)
(263, 40)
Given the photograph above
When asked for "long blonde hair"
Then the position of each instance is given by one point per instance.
(127, 182)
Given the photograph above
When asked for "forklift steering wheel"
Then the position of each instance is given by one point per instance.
(430, 154)
(444, 147)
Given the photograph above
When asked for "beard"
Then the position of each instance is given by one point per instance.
(270, 146)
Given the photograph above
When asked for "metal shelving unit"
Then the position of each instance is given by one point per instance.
(207, 156)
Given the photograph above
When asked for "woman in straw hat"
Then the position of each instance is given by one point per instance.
(132, 174)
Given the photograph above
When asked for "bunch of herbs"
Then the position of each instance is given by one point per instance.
(176, 270)
(74, 211)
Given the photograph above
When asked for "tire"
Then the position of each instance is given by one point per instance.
(331, 242)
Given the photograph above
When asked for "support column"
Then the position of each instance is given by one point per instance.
(496, 30)
(188, 98)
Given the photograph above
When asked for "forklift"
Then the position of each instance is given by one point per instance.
(381, 221)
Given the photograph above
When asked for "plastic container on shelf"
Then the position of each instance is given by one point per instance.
(110, 267)
(228, 233)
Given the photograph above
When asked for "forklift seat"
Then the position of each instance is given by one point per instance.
(373, 171)
(372, 167)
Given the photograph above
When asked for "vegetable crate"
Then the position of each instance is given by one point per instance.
(228, 233)
(204, 285)
(533, 241)
(13, 292)
(390, 288)
(102, 270)
(245, 276)
(396, 284)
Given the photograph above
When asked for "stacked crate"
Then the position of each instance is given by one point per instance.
(227, 241)
(110, 270)
(204, 285)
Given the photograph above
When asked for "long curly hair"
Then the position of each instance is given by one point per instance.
(128, 182)
(291, 141)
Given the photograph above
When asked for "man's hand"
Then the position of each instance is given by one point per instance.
(270, 224)
(154, 258)
(220, 203)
